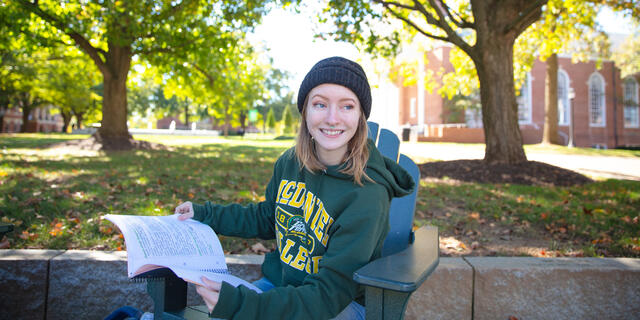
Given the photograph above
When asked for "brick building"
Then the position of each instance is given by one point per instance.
(40, 120)
(605, 107)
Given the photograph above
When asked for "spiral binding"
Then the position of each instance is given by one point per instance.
(154, 275)
(163, 273)
(222, 271)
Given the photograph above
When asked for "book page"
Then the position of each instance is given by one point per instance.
(167, 241)
(194, 276)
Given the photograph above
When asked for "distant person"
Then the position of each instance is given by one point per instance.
(326, 205)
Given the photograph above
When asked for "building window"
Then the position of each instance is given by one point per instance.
(631, 119)
(564, 110)
(524, 101)
(596, 101)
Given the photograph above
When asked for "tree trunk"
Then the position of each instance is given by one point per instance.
(26, 111)
(227, 119)
(499, 110)
(3, 111)
(66, 118)
(550, 131)
(27, 107)
(113, 130)
(186, 114)
(79, 119)
(498, 24)
(243, 120)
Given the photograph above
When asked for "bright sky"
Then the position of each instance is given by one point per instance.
(291, 44)
(289, 37)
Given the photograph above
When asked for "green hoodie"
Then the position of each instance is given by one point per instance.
(325, 226)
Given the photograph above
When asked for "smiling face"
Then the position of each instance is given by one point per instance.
(332, 116)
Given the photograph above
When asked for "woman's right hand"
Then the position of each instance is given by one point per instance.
(185, 210)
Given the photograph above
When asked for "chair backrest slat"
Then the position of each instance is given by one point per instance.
(401, 213)
(389, 144)
(373, 131)
(402, 210)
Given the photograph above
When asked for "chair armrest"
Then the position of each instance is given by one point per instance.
(406, 270)
(5, 228)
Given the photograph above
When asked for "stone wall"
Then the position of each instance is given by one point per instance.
(77, 284)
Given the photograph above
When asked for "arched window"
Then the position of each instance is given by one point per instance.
(596, 101)
(524, 101)
(631, 119)
(564, 111)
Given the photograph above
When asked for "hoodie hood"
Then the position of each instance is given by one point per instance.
(388, 173)
(383, 171)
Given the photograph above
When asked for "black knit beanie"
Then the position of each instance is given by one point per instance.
(340, 71)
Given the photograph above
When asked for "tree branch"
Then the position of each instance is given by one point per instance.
(430, 19)
(415, 26)
(461, 23)
(94, 53)
(204, 73)
(441, 23)
(452, 36)
(524, 19)
(386, 4)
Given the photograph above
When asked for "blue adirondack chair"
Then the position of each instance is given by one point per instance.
(408, 257)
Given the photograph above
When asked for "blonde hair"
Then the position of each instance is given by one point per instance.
(355, 159)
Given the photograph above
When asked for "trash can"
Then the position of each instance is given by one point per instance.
(406, 133)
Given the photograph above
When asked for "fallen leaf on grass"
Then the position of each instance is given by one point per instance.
(105, 230)
(26, 235)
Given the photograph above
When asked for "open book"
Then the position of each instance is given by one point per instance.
(189, 248)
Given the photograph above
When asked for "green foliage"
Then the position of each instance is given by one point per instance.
(630, 8)
(288, 120)
(566, 27)
(72, 84)
(271, 120)
(277, 95)
(627, 57)
(23, 74)
(456, 107)
(166, 34)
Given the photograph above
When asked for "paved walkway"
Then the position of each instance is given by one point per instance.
(599, 167)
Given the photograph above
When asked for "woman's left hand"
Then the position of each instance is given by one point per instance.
(209, 292)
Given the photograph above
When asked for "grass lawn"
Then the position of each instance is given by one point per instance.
(56, 199)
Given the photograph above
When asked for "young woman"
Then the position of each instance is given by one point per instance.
(326, 205)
